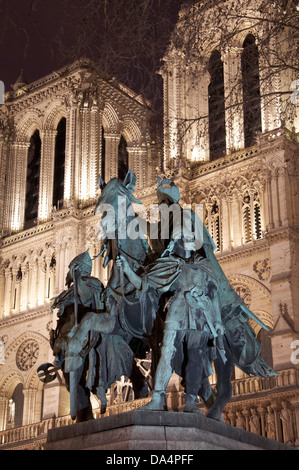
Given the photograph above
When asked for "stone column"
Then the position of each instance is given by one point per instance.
(137, 163)
(13, 289)
(172, 112)
(32, 284)
(16, 185)
(111, 145)
(203, 140)
(270, 225)
(47, 277)
(269, 89)
(225, 224)
(84, 157)
(7, 297)
(41, 284)
(236, 220)
(3, 162)
(2, 290)
(29, 406)
(71, 149)
(233, 94)
(285, 196)
(24, 288)
(4, 402)
(46, 175)
(95, 149)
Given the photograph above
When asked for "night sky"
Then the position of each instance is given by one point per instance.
(30, 31)
(40, 36)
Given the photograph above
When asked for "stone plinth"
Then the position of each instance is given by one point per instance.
(155, 430)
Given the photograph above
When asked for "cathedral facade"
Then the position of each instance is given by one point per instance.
(230, 144)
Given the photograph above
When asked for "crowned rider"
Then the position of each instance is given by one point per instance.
(193, 319)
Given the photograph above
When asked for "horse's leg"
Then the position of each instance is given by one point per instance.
(97, 322)
(223, 387)
(82, 393)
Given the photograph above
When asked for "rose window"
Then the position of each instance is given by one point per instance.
(27, 354)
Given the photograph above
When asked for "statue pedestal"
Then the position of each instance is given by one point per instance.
(154, 430)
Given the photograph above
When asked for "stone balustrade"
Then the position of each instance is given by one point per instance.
(269, 407)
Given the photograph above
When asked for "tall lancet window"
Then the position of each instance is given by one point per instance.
(216, 107)
(257, 216)
(58, 188)
(251, 90)
(32, 179)
(103, 159)
(246, 216)
(123, 158)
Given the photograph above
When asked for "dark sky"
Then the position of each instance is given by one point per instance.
(29, 34)
(33, 31)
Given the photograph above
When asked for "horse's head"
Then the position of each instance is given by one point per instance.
(115, 188)
(114, 206)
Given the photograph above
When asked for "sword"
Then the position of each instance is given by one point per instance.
(254, 317)
(76, 300)
(217, 337)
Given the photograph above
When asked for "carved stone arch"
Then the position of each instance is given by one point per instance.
(22, 340)
(27, 126)
(131, 131)
(32, 381)
(238, 185)
(198, 197)
(16, 261)
(258, 184)
(55, 113)
(216, 193)
(247, 29)
(260, 303)
(220, 192)
(9, 381)
(110, 120)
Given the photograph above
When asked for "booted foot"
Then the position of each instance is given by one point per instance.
(157, 403)
(191, 405)
(215, 414)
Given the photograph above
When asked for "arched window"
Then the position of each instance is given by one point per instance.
(58, 189)
(257, 216)
(216, 107)
(103, 160)
(246, 217)
(251, 90)
(213, 224)
(251, 217)
(16, 407)
(32, 180)
(123, 158)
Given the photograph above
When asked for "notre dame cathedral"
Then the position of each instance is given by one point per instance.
(236, 156)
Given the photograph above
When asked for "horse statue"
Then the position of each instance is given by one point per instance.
(155, 283)
(122, 330)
